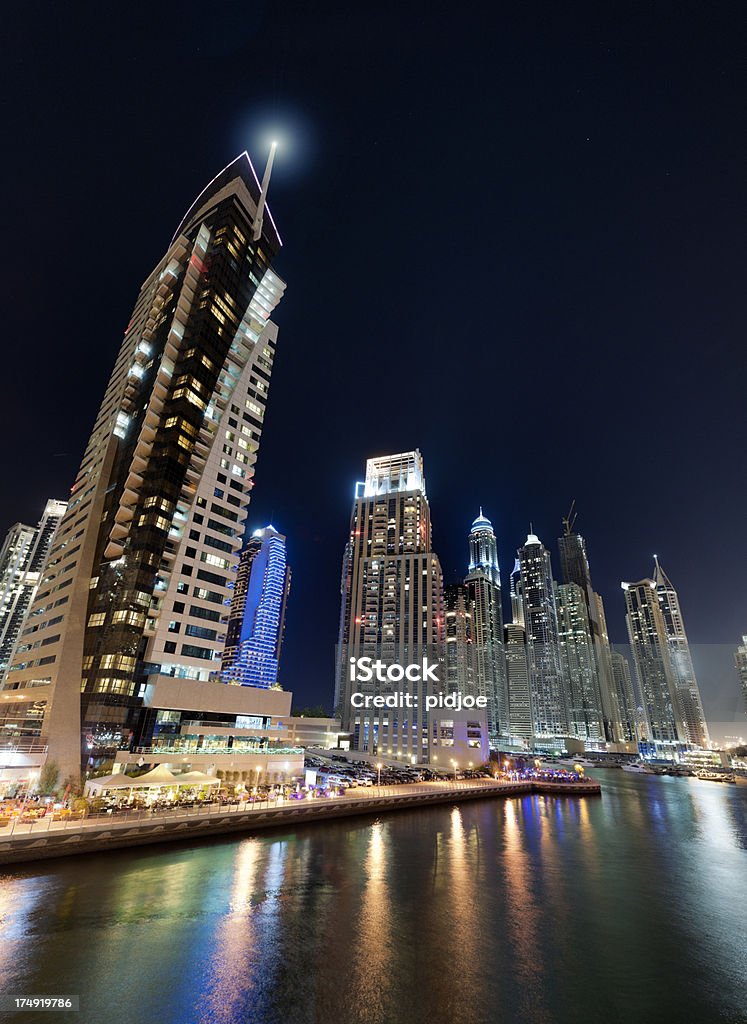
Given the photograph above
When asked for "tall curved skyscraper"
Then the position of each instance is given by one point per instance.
(649, 644)
(135, 592)
(688, 690)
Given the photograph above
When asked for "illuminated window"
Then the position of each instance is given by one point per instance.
(222, 563)
(131, 618)
(119, 661)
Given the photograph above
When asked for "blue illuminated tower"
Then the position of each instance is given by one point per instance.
(257, 620)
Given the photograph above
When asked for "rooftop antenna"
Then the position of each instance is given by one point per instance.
(263, 193)
(570, 519)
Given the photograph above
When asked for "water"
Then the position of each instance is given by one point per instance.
(535, 910)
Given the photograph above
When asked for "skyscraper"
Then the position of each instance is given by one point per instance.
(650, 646)
(578, 663)
(14, 560)
(460, 650)
(696, 728)
(22, 558)
(517, 604)
(136, 588)
(517, 673)
(574, 568)
(548, 698)
(256, 624)
(740, 660)
(630, 718)
(483, 584)
(392, 602)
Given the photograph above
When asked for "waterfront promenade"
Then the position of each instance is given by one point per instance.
(47, 838)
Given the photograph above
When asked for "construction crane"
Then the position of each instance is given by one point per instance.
(570, 519)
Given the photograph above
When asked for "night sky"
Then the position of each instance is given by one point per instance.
(513, 239)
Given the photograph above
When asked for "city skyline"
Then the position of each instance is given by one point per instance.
(577, 633)
(373, 628)
(599, 270)
(574, 566)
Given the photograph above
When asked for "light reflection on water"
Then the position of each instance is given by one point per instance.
(537, 910)
(370, 966)
(524, 933)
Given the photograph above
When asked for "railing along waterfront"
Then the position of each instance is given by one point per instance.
(47, 823)
(116, 819)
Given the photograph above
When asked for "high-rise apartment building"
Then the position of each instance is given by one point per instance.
(574, 568)
(460, 650)
(483, 584)
(578, 663)
(22, 558)
(740, 660)
(630, 716)
(14, 560)
(517, 605)
(548, 697)
(517, 673)
(392, 605)
(256, 624)
(129, 619)
(688, 692)
(656, 677)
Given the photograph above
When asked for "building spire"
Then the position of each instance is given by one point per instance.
(263, 193)
(660, 577)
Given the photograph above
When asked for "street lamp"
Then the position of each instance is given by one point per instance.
(379, 766)
(455, 769)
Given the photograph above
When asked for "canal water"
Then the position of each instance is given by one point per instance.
(631, 907)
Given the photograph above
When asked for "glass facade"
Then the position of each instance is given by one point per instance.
(257, 620)
(143, 565)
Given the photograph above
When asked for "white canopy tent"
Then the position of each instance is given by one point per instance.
(197, 779)
(107, 782)
(156, 778)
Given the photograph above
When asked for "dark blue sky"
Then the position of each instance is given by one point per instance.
(513, 238)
